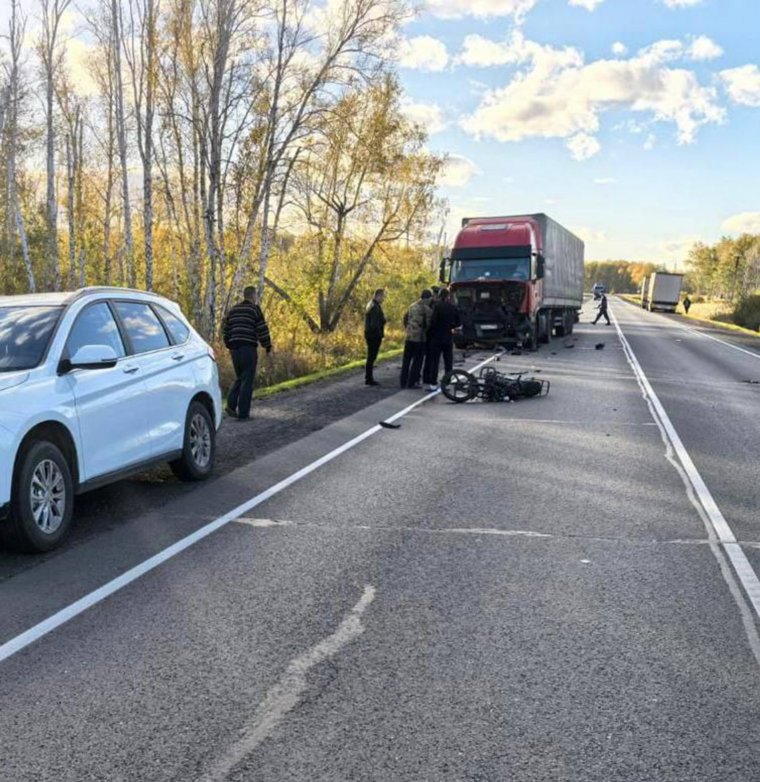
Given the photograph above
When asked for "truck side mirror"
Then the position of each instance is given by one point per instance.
(540, 267)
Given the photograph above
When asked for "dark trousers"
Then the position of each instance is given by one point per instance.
(373, 348)
(428, 372)
(244, 360)
(438, 349)
(411, 365)
(603, 313)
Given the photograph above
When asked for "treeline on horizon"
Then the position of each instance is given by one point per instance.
(224, 142)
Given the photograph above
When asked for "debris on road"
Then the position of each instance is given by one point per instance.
(491, 386)
(599, 346)
(387, 425)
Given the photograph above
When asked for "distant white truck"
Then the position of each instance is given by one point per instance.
(661, 291)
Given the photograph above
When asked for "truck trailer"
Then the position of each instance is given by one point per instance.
(662, 292)
(516, 280)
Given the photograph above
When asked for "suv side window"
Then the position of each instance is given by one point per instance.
(95, 325)
(144, 330)
(179, 331)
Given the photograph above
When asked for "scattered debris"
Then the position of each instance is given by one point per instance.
(387, 425)
(569, 346)
(599, 346)
(752, 382)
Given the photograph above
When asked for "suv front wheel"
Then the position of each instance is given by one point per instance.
(42, 501)
(199, 448)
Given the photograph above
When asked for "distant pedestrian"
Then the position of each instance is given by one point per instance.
(602, 307)
(374, 331)
(245, 328)
(444, 320)
(687, 303)
(417, 323)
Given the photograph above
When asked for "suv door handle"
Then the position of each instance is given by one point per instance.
(177, 356)
(130, 369)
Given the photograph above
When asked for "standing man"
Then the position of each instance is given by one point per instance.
(244, 330)
(444, 320)
(417, 322)
(687, 303)
(603, 309)
(374, 331)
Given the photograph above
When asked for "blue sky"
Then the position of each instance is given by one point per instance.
(635, 123)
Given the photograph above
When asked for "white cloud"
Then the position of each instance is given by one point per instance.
(481, 9)
(649, 144)
(605, 180)
(743, 223)
(676, 251)
(429, 115)
(555, 94)
(480, 52)
(589, 5)
(423, 53)
(589, 235)
(681, 3)
(458, 171)
(619, 49)
(743, 84)
(704, 48)
(582, 146)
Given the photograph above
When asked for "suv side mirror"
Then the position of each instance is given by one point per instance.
(90, 357)
(540, 267)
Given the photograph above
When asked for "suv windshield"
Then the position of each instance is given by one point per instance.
(24, 335)
(491, 269)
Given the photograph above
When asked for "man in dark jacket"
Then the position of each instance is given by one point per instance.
(244, 330)
(444, 320)
(374, 331)
(603, 310)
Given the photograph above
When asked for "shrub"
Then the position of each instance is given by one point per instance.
(747, 313)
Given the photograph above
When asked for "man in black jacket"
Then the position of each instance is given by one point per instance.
(244, 330)
(602, 310)
(444, 320)
(374, 331)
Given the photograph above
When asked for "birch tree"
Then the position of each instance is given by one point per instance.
(51, 54)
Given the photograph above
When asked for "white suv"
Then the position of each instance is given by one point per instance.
(96, 385)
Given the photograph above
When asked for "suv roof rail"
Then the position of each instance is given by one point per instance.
(78, 294)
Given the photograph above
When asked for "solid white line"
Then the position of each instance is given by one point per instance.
(723, 533)
(722, 342)
(284, 696)
(59, 618)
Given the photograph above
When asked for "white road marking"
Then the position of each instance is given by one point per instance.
(723, 342)
(21, 641)
(285, 695)
(718, 528)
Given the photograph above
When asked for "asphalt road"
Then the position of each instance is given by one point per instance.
(520, 592)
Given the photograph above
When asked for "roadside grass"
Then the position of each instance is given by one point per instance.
(323, 374)
(715, 313)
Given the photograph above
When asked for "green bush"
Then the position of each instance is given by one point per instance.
(747, 313)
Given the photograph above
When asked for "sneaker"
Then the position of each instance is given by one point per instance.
(230, 412)
(431, 387)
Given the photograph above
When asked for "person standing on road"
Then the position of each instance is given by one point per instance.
(245, 328)
(444, 320)
(417, 323)
(687, 304)
(602, 310)
(374, 331)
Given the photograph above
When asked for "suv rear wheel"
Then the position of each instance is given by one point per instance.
(199, 449)
(42, 500)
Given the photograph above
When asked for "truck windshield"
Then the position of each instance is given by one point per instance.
(24, 335)
(490, 269)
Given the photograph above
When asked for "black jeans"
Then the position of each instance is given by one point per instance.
(373, 348)
(603, 314)
(244, 360)
(438, 349)
(411, 365)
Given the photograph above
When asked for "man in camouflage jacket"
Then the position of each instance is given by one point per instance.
(417, 323)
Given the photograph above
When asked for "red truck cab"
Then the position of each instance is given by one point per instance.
(496, 275)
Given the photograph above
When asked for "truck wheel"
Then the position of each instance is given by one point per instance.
(569, 323)
(545, 328)
(531, 343)
(199, 448)
(42, 501)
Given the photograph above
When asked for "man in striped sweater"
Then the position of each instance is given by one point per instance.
(244, 330)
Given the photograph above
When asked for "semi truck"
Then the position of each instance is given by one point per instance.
(662, 291)
(516, 280)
